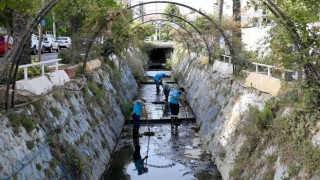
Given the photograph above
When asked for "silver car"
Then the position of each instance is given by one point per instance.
(50, 44)
(35, 45)
(64, 42)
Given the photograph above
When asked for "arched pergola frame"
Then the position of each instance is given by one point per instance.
(190, 34)
(178, 17)
(154, 20)
(215, 24)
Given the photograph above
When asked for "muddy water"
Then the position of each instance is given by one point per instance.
(172, 154)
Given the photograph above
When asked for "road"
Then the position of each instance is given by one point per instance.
(46, 56)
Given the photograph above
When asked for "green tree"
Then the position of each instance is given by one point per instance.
(15, 57)
(174, 10)
(295, 35)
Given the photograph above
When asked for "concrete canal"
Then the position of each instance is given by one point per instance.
(171, 154)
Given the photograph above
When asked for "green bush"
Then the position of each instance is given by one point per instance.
(76, 162)
(291, 134)
(126, 109)
(32, 72)
(176, 77)
(55, 111)
(39, 167)
(169, 64)
(104, 144)
(138, 76)
(30, 144)
(65, 56)
(79, 71)
(53, 164)
(28, 124)
(14, 120)
(110, 63)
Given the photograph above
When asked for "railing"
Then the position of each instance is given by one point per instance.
(225, 57)
(263, 65)
(42, 63)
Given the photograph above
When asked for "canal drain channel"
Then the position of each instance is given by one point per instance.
(173, 153)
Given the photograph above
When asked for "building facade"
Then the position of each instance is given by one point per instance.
(251, 16)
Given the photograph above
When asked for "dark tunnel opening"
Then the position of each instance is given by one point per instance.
(158, 57)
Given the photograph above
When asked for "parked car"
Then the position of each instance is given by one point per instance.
(3, 43)
(35, 45)
(50, 44)
(64, 42)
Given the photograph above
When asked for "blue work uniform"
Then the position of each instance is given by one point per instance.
(137, 109)
(177, 94)
(174, 103)
(166, 89)
(139, 165)
(138, 161)
(157, 78)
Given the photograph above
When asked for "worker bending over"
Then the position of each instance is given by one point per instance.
(158, 80)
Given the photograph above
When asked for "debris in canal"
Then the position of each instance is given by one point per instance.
(148, 133)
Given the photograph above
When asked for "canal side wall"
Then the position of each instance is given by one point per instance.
(72, 131)
(221, 105)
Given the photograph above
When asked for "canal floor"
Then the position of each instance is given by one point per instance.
(172, 153)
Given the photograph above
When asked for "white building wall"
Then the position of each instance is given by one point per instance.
(253, 21)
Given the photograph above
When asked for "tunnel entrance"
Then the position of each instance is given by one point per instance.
(158, 57)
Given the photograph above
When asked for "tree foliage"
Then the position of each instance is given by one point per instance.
(294, 38)
(173, 10)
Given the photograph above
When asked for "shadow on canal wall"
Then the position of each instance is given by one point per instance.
(221, 105)
(71, 132)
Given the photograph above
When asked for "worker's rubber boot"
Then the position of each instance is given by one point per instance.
(135, 133)
(172, 122)
(176, 120)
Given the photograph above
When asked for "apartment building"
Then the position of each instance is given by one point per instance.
(251, 16)
(254, 22)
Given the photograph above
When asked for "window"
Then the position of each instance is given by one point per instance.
(256, 8)
(266, 20)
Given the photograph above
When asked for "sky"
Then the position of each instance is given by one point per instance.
(204, 5)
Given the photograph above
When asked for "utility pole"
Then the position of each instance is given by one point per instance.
(54, 27)
(40, 41)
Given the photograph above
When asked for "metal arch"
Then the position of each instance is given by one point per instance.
(152, 20)
(190, 34)
(160, 19)
(178, 17)
(232, 52)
